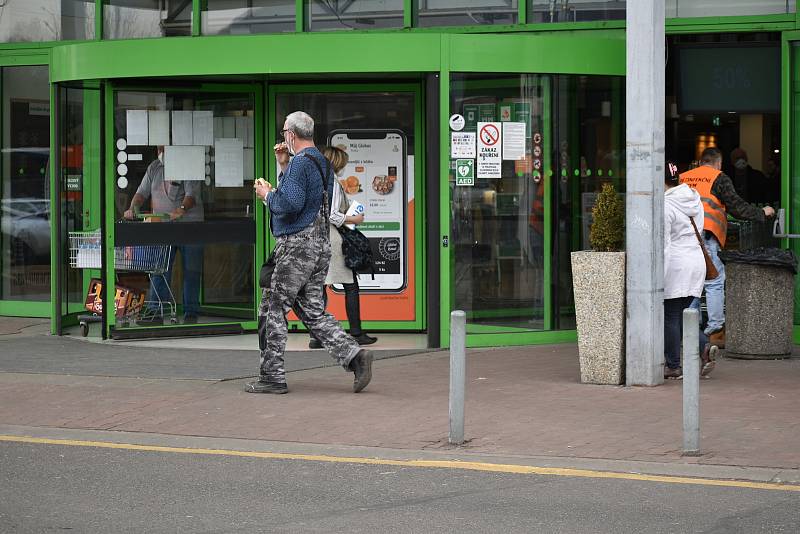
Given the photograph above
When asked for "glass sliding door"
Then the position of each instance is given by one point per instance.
(527, 157)
(183, 205)
(25, 189)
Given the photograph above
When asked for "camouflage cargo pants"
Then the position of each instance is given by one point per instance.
(301, 264)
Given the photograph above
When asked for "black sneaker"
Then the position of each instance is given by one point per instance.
(262, 386)
(362, 368)
(314, 343)
(364, 339)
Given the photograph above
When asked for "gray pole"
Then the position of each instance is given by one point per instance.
(458, 374)
(644, 205)
(691, 382)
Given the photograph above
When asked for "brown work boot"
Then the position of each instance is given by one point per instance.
(718, 338)
(673, 374)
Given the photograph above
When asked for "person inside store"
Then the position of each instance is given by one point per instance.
(299, 220)
(719, 198)
(182, 202)
(338, 273)
(747, 181)
(684, 271)
(771, 192)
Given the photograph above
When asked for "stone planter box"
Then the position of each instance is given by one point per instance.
(598, 280)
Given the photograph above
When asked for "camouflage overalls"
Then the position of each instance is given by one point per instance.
(301, 264)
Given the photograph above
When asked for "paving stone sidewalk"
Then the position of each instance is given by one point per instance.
(522, 401)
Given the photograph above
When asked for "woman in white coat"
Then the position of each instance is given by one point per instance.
(684, 271)
(338, 273)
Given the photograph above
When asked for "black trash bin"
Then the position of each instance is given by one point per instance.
(759, 302)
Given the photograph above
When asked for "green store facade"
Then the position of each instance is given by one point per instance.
(418, 91)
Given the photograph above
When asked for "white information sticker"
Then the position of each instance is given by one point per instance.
(181, 127)
(228, 163)
(490, 162)
(184, 163)
(136, 127)
(203, 128)
(158, 122)
(462, 145)
(513, 140)
(457, 122)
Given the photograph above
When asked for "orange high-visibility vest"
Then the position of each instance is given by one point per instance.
(716, 218)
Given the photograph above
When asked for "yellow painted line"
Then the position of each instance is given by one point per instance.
(441, 464)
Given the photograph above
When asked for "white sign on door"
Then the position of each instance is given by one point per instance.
(490, 160)
(462, 145)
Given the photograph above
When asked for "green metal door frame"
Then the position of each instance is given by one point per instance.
(276, 88)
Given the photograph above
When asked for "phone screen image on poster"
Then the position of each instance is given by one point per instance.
(375, 176)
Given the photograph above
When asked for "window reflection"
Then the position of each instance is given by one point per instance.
(576, 10)
(237, 17)
(134, 19)
(467, 12)
(46, 20)
(363, 15)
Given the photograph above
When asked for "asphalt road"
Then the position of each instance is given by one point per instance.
(48, 488)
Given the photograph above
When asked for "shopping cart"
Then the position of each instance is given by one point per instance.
(85, 251)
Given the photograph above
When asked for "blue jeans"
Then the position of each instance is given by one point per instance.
(715, 289)
(673, 330)
(192, 264)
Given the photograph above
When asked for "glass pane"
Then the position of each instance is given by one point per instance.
(24, 185)
(248, 16)
(550, 143)
(349, 15)
(184, 193)
(575, 10)
(133, 19)
(377, 130)
(467, 12)
(717, 8)
(46, 20)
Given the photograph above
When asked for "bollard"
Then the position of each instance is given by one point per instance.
(458, 375)
(691, 382)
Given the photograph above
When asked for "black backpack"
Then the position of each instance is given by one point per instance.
(356, 250)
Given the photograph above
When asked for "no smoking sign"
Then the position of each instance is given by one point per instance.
(490, 134)
(490, 162)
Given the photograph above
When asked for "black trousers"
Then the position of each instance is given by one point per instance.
(352, 307)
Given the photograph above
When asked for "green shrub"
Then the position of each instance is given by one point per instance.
(608, 227)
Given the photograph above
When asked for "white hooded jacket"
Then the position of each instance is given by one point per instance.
(684, 265)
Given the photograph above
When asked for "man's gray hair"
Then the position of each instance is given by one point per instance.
(301, 124)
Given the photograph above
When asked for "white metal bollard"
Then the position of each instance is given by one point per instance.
(458, 374)
(691, 382)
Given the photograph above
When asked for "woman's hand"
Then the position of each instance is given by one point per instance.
(354, 219)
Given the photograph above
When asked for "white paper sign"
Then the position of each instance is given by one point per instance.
(203, 128)
(489, 157)
(241, 130)
(228, 163)
(136, 127)
(462, 145)
(514, 140)
(181, 127)
(184, 163)
(158, 122)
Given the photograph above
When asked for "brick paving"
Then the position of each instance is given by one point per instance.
(520, 401)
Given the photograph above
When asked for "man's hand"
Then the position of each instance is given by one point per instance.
(769, 211)
(282, 154)
(176, 214)
(263, 188)
(129, 215)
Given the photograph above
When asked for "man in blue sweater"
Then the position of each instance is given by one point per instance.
(299, 221)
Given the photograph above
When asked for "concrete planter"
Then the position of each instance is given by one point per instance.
(598, 280)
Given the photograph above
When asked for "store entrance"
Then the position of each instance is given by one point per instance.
(724, 91)
(378, 126)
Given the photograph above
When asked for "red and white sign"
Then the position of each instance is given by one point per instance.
(490, 160)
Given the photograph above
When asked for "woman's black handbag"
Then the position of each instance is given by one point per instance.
(356, 250)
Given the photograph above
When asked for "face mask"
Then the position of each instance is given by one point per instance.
(289, 144)
(740, 164)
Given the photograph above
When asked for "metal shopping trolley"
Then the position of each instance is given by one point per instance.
(85, 251)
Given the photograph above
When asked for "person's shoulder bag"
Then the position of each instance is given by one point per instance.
(711, 269)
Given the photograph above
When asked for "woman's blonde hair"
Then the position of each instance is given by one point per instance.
(336, 156)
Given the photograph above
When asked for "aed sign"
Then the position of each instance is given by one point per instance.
(490, 159)
(465, 172)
